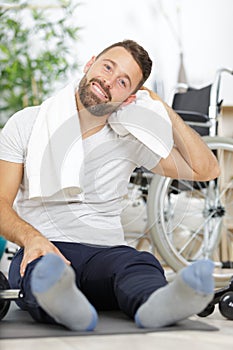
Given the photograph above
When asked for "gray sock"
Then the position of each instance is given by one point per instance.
(53, 285)
(188, 294)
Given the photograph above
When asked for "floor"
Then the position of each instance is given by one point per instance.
(208, 340)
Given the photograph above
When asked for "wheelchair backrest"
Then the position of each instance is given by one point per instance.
(193, 106)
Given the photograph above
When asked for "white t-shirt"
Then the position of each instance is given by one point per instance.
(108, 164)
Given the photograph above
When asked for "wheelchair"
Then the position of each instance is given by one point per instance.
(189, 221)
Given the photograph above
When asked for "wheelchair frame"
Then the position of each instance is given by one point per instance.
(152, 186)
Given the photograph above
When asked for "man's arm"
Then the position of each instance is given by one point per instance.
(190, 158)
(12, 227)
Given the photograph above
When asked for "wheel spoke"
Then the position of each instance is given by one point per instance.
(195, 218)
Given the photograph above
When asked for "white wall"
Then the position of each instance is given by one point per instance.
(205, 28)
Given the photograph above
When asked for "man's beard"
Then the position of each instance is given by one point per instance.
(92, 102)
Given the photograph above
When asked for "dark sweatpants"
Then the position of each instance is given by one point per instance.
(112, 278)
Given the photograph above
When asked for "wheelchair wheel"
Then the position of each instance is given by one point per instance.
(189, 221)
(226, 305)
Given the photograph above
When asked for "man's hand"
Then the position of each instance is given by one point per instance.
(153, 94)
(190, 158)
(36, 247)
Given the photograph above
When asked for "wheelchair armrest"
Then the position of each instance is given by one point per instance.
(192, 116)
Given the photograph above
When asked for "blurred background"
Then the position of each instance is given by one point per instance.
(44, 43)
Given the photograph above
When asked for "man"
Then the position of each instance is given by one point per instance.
(71, 266)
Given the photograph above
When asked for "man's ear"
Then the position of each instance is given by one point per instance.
(89, 64)
(129, 100)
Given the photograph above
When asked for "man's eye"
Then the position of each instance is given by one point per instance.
(122, 82)
(107, 67)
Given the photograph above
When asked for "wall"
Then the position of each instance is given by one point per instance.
(204, 28)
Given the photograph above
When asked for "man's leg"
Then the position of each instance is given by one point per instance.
(121, 278)
(188, 294)
(137, 282)
(51, 294)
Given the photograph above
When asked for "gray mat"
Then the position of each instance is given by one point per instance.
(18, 324)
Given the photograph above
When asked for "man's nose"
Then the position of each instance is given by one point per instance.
(109, 81)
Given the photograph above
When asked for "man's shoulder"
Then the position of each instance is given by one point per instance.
(22, 121)
(20, 124)
(26, 113)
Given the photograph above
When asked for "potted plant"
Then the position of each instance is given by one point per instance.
(37, 50)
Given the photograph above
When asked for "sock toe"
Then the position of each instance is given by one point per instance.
(47, 272)
(199, 276)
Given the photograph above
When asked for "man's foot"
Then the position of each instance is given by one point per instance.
(53, 285)
(188, 294)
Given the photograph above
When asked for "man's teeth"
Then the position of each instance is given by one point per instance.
(99, 91)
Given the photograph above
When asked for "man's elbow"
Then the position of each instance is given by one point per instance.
(211, 171)
(214, 172)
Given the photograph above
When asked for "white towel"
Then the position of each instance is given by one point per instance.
(147, 120)
(55, 151)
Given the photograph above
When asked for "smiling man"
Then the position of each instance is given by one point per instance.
(73, 259)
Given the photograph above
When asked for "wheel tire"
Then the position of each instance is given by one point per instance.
(226, 305)
(207, 311)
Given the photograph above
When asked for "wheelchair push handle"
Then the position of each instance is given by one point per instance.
(226, 70)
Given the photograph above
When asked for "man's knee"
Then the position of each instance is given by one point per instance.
(145, 261)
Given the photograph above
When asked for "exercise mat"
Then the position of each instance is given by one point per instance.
(19, 324)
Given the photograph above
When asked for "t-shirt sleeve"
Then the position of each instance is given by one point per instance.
(147, 158)
(11, 141)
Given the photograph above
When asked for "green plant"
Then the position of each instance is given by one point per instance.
(36, 50)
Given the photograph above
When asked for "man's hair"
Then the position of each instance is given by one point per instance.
(139, 54)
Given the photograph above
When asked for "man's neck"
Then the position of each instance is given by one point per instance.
(89, 123)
